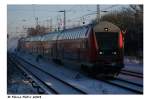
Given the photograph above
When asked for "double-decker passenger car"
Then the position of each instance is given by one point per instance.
(96, 49)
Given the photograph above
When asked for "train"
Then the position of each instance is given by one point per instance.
(97, 49)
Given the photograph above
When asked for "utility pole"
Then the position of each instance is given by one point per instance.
(58, 23)
(64, 19)
(64, 11)
(47, 26)
(36, 19)
(51, 25)
(24, 26)
(83, 20)
(98, 13)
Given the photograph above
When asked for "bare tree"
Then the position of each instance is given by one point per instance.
(38, 30)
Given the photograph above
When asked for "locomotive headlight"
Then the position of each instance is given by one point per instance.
(114, 53)
(100, 53)
(106, 29)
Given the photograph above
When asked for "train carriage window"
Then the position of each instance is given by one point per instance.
(34, 49)
(85, 44)
(51, 51)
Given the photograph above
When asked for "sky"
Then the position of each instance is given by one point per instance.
(23, 16)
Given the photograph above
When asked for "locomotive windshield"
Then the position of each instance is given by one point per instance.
(107, 41)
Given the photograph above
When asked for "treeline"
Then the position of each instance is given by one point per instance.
(130, 20)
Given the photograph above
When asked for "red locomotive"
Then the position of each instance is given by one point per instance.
(96, 49)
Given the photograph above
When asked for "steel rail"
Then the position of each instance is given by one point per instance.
(44, 86)
(117, 83)
(132, 73)
(72, 86)
(140, 85)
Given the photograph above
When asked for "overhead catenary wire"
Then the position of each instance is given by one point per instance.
(82, 18)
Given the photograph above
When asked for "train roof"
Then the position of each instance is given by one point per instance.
(45, 37)
(50, 36)
(33, 38)
(75, 33)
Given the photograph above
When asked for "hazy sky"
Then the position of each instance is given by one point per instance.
(24, 15)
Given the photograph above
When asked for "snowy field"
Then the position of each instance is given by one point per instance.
(133, 64)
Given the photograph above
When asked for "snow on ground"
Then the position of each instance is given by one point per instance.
(12, 43)
(131, 78)
(17, 83)
(132, 60)
(90, 85)
(133, 64)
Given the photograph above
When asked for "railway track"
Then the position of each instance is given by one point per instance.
(34, 70)
(34, 79)
(62, 86)
(134, 83)
(131, 86)
(132, 73)
(126, 84)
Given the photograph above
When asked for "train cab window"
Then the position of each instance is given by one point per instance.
(107, 40)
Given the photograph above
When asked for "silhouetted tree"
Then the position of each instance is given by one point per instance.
(38, 30)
